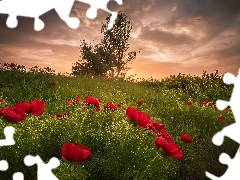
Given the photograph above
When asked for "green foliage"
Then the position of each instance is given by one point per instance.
(111, 55)
(120, 149)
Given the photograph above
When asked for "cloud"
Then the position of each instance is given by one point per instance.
(164, 37)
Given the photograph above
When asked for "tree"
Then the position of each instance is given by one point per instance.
(111, 54)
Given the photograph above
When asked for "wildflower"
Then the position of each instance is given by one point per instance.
(209, 104)
(77, 98)
(139, 102)
(156, 127)
(69, 102)
(221, 117)
(37, 107)
(205, 103)
(13, 65)
(170, 148)
(111, 106)
(120, 104)
(165, 135)
(74, 153)
(186, 138)
(62, 116)
(215, 106)
(142, 118)
(11, 115)
(53, 84)
(52, 116)
(93, 101)
(189, 103)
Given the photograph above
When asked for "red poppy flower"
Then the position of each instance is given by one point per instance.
(186, 138)
(139, 102)
(26, 107)
(11, 115)
(136, 115)
(156, 127)
(72, 152)
(143, 119)
(93, 101)
(170, 148)
(111, 106)
(62, 116)
(209, 104)
(189, 103)
(205, 103)
(37, 107)
(165, 135)
(13, 65)
(53, 84)
(69, 102)
(52, 116)
(132, 113)
(77, 98)
(221, 117)
(120, 104)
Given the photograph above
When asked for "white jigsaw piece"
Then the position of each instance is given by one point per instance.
(232, 131)
(36, 8)
(44, 170)
(100, 4)
(8, 141)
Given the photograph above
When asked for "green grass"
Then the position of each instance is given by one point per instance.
(120, 149)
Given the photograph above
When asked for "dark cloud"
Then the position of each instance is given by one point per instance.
(164, 37)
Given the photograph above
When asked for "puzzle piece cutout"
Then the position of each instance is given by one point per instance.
(8, 141)
(44, 170)
(231, 131)
(36, 8)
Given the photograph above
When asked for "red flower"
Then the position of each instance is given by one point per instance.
(62, 116)
(165, 135)
(186, 138)
(136, 115)
(77, 98)
(93, 101)
(205, 103)
(13, 65)
(52, 116)
(156, 127)
(209, 104)
(189, 103)
(226, 108)
(132, 113)
(221, 117)
(215, 106)
(53, 84)
(72, 152)
(170, 148)
(69, 102)
(139, 102)
(111, 106)
(37, 107)
(13, 114)
(120, 104)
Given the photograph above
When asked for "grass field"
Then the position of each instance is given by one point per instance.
(120, 148)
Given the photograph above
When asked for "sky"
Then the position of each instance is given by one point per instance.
(174, 36)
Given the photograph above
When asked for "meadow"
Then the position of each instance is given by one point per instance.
(120, 148)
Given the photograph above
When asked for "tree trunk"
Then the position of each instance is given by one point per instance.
(112, 72)
(118, 72)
